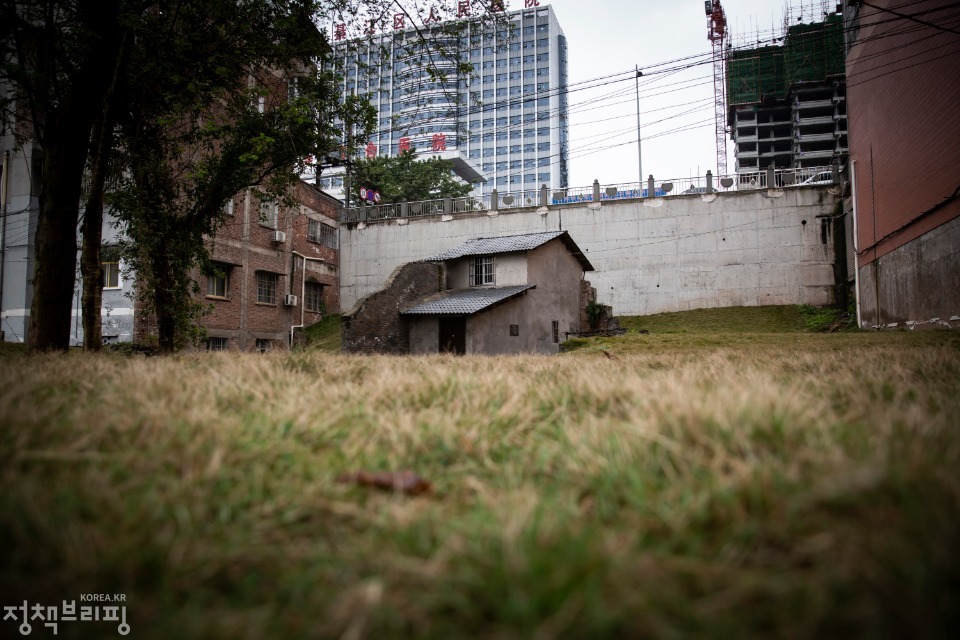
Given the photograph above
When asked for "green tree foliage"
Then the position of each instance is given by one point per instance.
(404, 177)
(157, 94)
(57, 62)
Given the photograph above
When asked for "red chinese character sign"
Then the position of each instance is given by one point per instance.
(404, 144)
(463, 8)
(371, 150)
(439, 142)
(433, 17)
(399, 21)
(339, 31)
(530, 4)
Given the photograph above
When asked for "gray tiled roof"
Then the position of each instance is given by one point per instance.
(511, 244)
(505, 244)
(465, 302)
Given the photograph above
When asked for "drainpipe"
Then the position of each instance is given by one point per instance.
(303, 289)
(856, 249)
(4, 180)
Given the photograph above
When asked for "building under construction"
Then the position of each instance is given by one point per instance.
(785, 97)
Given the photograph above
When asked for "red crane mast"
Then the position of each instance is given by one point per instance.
(717, 34)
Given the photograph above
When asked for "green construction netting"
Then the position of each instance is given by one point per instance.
(810, 53)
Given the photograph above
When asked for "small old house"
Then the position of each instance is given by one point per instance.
(512, 294)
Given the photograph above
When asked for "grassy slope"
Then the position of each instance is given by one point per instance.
(324, 336)
(707, 483)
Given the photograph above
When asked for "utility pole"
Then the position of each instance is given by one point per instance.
(639, 151)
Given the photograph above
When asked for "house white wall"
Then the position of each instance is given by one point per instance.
(509, 269)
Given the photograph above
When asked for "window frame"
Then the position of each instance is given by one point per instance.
(266, 278)
(313, 297)
(482, 271)
(110, 266)
(269, 213)
(223, 274)
(223, 344)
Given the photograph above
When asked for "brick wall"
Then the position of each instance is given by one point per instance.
(904, 125)
(375, 325)
(244, 246)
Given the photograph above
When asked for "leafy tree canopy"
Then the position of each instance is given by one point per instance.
(404, 177)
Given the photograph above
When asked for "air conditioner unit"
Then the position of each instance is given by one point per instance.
(279, 236)
(290, 300)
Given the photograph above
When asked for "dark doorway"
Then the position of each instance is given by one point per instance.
(453, 335)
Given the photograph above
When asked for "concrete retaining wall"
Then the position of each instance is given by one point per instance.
(651, 255)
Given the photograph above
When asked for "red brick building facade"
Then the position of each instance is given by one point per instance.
(904, 125)
(277, 271)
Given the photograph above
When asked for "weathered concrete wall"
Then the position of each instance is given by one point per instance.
(652, 255)
(489, 332)
(917, 284)
(374, 324)
(424, 335)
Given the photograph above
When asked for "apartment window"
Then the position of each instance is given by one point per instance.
(313, 297)
(482, 271)
(218, 284)
(110, 266)
(322, 233)
(266, 288)
(217, 344)
(328, 236)
(268, 213)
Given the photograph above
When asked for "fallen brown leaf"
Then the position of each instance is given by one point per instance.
(404, 481)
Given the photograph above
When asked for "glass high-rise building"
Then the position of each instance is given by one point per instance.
(507, 117)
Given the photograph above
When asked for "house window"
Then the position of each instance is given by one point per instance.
(263, 345)
(218, 284)
(268, 213)
(313, 297)
(482, 271)
(514, 330)
(216, 344)
(111, 268)
(322, 233)
(556, 331)
(228, 207)
(266, 288)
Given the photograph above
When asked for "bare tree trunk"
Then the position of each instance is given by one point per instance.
(164, 303)
(56, 247)
(90, 263)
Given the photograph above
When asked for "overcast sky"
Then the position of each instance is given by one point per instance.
(608, 37)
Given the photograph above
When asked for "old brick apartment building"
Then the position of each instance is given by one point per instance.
(277, 271)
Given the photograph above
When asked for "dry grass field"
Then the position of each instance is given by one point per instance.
(708, 479)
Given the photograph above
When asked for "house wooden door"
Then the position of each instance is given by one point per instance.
(453, 335)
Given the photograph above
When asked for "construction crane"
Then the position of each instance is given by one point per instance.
(717, 34)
